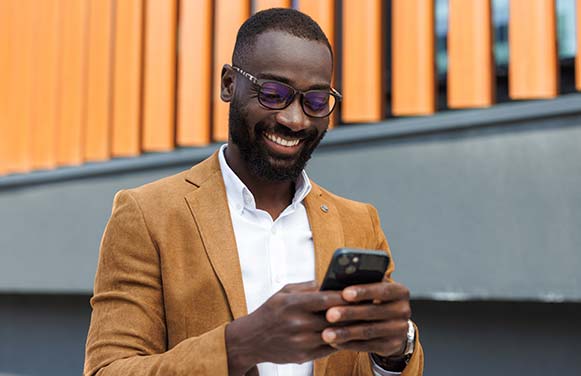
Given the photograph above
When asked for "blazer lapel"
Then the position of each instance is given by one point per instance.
(209, 207)
(327, 237)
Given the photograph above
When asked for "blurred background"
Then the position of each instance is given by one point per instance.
(461, 123)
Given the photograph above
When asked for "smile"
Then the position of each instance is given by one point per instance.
(288, 142)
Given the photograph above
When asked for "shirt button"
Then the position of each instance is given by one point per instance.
(273, 230)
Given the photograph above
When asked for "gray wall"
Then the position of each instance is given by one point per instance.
(479, 207)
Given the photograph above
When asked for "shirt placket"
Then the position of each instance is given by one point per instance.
(277, 256)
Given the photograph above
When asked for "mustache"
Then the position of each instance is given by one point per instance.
(303, 134)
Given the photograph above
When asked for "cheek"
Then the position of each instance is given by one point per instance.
(258, 117)
(322, 126)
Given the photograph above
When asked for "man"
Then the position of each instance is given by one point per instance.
(211, 271)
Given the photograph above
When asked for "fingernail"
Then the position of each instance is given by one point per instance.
(350, 294)
(333, 315)
(329, 336)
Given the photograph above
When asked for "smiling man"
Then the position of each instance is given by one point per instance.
(215, 270)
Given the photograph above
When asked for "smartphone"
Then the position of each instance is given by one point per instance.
(355, 267)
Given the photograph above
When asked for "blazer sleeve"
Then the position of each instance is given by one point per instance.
(363, 363)
(127, 334)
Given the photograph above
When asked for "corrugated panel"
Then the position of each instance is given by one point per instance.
(323, 12)
(195, 72)
(6, 40)
(46, 83)
(362, 61)
(159, 75)
(533, 64)
(127, 78)
(266, 4)
(470, 59)
(229, 16)
(21, 87)
(72, 102)
(413, 67)
(99, 81)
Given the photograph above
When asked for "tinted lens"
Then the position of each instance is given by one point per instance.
(275, 95)
(318, 103)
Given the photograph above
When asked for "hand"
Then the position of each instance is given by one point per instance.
(379, 326)
(285, 329)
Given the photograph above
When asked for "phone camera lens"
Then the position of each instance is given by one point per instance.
(350, 269)
(343, 260)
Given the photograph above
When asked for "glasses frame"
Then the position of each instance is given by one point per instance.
(259, 82)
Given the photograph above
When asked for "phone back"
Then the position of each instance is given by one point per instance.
(355, 267)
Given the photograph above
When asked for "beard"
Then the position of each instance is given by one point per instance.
(260, 160)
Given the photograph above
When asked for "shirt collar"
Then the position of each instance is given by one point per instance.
(240, 197)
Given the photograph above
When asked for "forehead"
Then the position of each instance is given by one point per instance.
(303, 62)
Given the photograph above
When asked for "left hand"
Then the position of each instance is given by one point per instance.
(379, 326)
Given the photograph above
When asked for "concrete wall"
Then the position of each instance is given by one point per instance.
(479, 206)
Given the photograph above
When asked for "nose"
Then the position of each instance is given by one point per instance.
(293, 116)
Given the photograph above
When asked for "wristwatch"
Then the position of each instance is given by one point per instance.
(398, 363)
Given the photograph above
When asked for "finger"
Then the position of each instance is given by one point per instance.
(310, 323)
(383, 291)
(319, 300)
(379, 346)
(310, 340)
(399, 310)
(361, 332)
(302, 286)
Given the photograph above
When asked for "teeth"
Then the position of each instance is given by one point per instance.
(281, 141)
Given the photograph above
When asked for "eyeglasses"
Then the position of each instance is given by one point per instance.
(275, 95)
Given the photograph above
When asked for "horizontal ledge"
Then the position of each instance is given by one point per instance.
(454, 296)
(453, 120)
(436, 296)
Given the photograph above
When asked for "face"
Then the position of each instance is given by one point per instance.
(276, 144)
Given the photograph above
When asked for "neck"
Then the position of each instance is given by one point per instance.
(270, 196)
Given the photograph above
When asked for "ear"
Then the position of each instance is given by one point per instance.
(227, 83)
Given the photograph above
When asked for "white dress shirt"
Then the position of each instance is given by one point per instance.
(272, 253)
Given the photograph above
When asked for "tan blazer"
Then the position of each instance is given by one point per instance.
(169, 279)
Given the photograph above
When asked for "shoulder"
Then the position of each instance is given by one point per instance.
(170, 191)
(159, 193)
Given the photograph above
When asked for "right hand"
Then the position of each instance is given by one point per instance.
(285, 329)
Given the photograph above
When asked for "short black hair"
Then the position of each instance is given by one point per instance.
(275, 19)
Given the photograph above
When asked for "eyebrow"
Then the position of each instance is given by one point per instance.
(275, 77)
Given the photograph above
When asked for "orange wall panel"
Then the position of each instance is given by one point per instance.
(323, 12)
(127, 78)
(363, 93)
(470, 58)
(46, 84)
(20, 82)
(159, 75)
(6, 40)
(229, 16)
(195, 73)
(99, 81)
(533, 65)
(266, 4)
(72, 101)
(413, 66)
